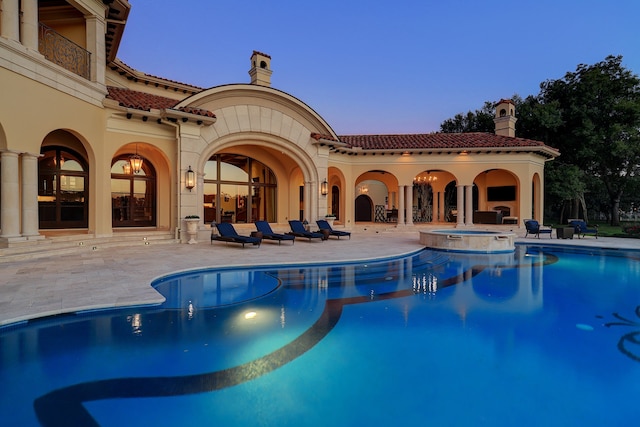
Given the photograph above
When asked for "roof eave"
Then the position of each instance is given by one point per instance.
(174, 115)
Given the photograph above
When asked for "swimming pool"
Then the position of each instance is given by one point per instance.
(542, 336)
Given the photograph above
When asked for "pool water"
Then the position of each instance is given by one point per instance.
(542, 336)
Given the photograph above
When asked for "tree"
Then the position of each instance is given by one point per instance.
(564, 184)
(478, 121)
(600, 132)
(592, 116)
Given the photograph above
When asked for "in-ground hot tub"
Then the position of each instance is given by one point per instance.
(468, 240)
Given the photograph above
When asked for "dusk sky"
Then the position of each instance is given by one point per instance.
(373, 67)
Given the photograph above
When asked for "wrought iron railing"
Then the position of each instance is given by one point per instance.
(62, 51)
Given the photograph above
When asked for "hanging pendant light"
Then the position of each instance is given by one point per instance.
(136, 162)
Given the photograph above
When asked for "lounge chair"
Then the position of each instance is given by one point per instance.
(267, 233)
(297, 230)
(580, 227)
(534, 227)
(228, 234)
(324, 225)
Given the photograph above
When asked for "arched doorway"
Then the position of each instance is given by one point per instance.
(239, 189)
(62, 188)
(364, 209)
(133, 195)
(335, 201)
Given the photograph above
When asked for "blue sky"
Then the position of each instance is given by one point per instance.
(373, 67)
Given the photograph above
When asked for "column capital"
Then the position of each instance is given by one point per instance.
(4, 151)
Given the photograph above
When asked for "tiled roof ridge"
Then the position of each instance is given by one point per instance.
(140, 75)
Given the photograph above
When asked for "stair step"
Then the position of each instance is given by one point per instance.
(64, 244)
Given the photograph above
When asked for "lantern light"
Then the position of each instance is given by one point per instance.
(190, 179)
(324, 187)
(136, 162)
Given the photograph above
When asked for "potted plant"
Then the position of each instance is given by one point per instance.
(192, 227)
(330, 218)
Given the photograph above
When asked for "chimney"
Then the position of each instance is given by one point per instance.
(260, 71)
(505, 119)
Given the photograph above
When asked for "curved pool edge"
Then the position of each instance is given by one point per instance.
(158, 299)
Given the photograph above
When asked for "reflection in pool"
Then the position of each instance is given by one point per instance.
(542, 336)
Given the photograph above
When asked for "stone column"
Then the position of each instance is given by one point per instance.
(95, 30)
(30, 195)
(460, 205)
(409, 204)
(306, 205)
(441, 212)
(468, 205)
(10, 202)
(29, 24)
(10, 16)
(400, 204)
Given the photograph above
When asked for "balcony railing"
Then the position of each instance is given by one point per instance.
(62, 51)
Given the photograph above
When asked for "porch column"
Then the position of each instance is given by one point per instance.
(460, 205)
(468, 205)
(400, 204)
(29, 24)
(441, 212)
(409, 206)
(307, 202)
(95, 30)
(30, 195)
(10, 19)
(10, 201)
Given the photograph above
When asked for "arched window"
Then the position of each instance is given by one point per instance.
(238, 189)
(62, 189)
(133, 195)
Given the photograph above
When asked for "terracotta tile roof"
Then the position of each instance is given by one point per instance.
(260, 53)
(428, 141)
(139, 100)
(472, 140)
(145, 101)
(135, 75)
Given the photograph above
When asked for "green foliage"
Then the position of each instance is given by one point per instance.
(600, 131)
(592, 116)
(478, 121)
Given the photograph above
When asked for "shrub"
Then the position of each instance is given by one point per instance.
(632, 229)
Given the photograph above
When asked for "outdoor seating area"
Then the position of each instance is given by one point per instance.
(533, 227)
(580, 228)
(324, 225)
(226, 232)
(229, 234)
(264, 228)
(298, 230)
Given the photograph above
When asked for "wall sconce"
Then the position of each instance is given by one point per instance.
(190, 179)
(136, 162)
(324, 187)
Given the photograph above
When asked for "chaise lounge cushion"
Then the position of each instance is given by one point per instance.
(267, 233)
(580, 227)
(324, 225)
(229, 234)
(534, 227)
(298, 230)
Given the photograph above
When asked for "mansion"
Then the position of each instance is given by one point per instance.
(91, 145)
